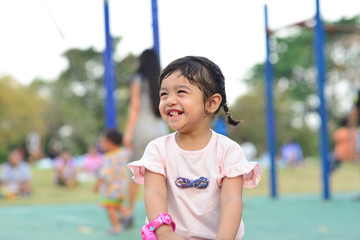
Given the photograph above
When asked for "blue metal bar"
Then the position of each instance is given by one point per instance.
(321, 72)
(155, 25)
(109, 75)
(270, 116)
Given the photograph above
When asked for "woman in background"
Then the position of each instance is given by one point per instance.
(144, 121)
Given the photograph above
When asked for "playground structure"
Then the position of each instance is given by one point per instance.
(110, 106)
(320, 64)
(319, 51)
(109, 76)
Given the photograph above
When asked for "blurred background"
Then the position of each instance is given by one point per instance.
(52, 92)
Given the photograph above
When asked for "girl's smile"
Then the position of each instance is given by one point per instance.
(174, 114)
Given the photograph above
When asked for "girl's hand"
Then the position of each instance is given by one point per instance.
(165, 232)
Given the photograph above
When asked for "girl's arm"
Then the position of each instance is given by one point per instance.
(230, 208)
(133, 114)
(156, 203)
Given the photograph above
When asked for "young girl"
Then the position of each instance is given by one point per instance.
(194, 177)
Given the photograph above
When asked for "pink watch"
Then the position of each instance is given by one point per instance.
(147, 231)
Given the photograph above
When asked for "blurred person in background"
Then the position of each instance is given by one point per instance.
(345, 141)
(33, 143)
(65, 169)
(112, 183)
(92, 160)
(15, 176)
(291, 153)
(90, 164)
(249, 149)
(144, 122)
(354, 121)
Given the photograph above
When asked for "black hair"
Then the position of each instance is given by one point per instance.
(149, 70)
(203, 73)
(113, 135)
(343, 122)
(357, 101)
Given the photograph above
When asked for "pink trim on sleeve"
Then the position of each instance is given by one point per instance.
(251, 174)
(138, 170)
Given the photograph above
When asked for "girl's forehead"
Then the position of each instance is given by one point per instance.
(175, 78)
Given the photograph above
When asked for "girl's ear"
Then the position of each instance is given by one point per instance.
(213, 103)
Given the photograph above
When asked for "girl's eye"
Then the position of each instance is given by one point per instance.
(163, 94)
(181, 91)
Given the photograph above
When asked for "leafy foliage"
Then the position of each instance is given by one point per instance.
(77, 102)
(67, 112)
(295, 85)
(21, 111)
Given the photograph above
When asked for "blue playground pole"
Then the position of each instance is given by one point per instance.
(320, 64)
(270, 117)
(155, 24)
(109, 75)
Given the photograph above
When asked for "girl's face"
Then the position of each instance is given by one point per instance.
(182, 104)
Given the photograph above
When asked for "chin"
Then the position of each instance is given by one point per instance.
(175, 128)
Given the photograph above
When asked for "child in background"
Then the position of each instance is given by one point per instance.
(291, 153)
(15, 176)
(92, 160)
(195, 176)
(345, 141)
(112, 180)
(65, 170)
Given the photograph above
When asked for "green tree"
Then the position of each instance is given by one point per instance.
(76, 108)
(21, 111)
(295, 84)
(251, 109)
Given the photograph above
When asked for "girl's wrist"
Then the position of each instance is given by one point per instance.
(161, 226)
(163, 229)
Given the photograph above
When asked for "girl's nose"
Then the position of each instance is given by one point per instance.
(171, 100)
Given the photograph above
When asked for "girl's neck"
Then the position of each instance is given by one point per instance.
(193, 141)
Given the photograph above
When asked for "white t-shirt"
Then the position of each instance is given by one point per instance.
(196, 212)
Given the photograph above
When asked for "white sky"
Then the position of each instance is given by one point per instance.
(229, 32)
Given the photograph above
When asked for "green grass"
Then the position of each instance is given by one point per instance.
(45, 191)
(58, 213)
(290, 181)
(308, 180)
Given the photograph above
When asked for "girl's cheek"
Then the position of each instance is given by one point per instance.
(161, 107)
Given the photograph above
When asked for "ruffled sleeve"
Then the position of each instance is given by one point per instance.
(235, 164)
(151, 160)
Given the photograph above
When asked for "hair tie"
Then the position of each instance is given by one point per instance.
(227, 114)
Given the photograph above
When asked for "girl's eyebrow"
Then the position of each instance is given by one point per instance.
(176, 87)
(182, 86)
